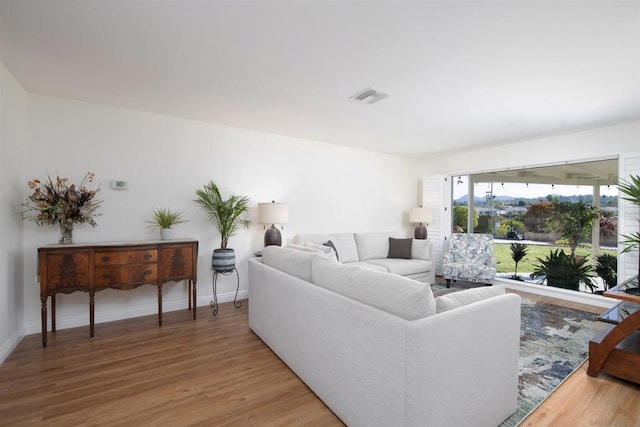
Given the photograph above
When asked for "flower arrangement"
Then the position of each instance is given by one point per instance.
(58, 202)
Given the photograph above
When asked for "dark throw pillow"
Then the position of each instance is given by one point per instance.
(332, 246)
(399, 248)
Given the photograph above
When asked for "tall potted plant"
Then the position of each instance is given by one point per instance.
(631, 189)
(225, 215)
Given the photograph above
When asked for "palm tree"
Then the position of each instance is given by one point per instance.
(518, 252)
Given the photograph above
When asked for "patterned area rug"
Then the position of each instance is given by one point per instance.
(554, 342)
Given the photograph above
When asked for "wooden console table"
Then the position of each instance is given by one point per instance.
(114, 265)
(616, 350)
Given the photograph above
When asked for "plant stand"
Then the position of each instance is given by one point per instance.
(214, 303)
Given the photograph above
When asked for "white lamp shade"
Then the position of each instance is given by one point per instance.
(273, 213)
(421, 214)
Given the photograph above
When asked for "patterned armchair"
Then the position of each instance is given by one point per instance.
(470, 257)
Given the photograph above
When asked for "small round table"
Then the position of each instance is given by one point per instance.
(214, 303)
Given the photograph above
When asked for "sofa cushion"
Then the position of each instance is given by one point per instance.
(420, 249)
(399, 248)
(403, 267)
(291, 261)
(468, 296)
(372, 245)
(397, 295)
(369, 266)
(344, 242)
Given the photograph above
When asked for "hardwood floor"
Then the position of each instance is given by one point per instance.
(213, 371)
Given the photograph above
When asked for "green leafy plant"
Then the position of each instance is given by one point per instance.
(225, 215)
(607, 268)
(573, 221)
(563, 271)
(165, 218)
(518, 252)
(632, 191)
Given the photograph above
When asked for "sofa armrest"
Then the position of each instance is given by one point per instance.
(470, 355)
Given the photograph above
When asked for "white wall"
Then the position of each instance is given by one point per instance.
(165, 159)
(13, 101)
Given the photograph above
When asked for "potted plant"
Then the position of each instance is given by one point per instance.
(225, 215)
(607, 269)
(518, 252)
(164, 219)
(631, 241)
(564, 271)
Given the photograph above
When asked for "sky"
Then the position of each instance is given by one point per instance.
(521, 190)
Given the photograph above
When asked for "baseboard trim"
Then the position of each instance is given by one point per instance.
(565, 294)
(7, 348)
(67, 322)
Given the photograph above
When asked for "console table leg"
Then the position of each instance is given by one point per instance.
(195, 293)
(160, 304)
(43, 314)
(53, 313)
(189, 291)
(92, 312)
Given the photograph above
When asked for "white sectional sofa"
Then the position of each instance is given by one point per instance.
(379, 350)
(372, 251)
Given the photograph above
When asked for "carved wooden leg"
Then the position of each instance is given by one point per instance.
(43, 310)
(92, 312)
(621, 331)
(53, 313)
(160, 304)
(189, 291)
(195, 293)
(448, 283)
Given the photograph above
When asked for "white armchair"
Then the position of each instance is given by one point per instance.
(470, 257)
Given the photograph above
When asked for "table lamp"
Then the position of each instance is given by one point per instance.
(420, 215)
(273, 213)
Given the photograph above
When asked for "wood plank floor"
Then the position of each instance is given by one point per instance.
(213, 371)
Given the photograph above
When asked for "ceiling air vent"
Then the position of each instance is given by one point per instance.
(369, 96)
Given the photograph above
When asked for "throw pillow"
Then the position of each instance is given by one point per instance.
(332, 246)
(400, 248)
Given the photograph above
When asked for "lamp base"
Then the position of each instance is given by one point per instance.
(272, 237)
(420, 232)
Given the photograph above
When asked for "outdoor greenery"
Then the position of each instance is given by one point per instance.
(506, 264)
(564, 271)
(518, 252)
(607, 268)
(573, 221)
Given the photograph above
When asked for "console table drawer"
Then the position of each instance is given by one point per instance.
(125, 257)
(125, 276)
(67, 270)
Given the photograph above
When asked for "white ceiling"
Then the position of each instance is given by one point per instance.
(458, 74)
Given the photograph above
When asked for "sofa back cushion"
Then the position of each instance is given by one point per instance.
(420, 249)
(394, 294)
(344, 243)
(291, 261)
(373, 245)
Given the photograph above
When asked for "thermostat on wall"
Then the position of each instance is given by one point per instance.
(119, 185)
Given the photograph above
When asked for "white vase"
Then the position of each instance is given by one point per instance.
(166, 233)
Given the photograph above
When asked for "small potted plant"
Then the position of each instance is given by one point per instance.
(225, 215)
(165, 219)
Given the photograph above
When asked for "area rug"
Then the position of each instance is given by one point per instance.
(554, 342)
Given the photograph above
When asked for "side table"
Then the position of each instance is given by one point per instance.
(214, 303)
(616, 350)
